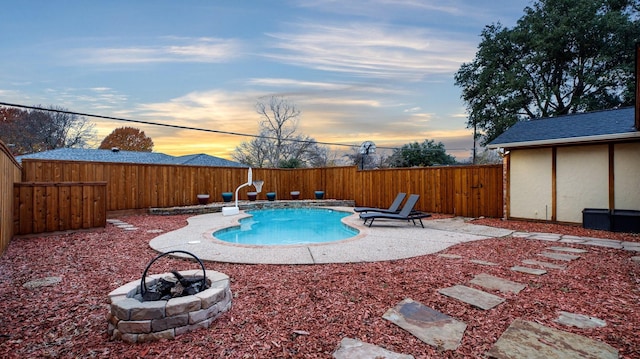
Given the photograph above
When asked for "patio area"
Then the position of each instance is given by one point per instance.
(385, 240)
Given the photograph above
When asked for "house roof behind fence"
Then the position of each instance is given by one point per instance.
(96, 155)
(607, 125)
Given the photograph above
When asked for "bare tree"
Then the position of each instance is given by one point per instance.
(280, 119)
(488, 157)
(255, 152)
(279, 144)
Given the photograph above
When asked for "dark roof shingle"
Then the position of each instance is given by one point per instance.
(569, 128)
(96, 155)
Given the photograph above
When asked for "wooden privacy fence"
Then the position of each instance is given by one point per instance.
(49, 207)
(10, 173)
(471, 191)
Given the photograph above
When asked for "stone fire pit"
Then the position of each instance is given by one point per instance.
(132, 320)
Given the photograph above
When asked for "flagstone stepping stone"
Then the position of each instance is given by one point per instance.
(524, 339)
(572, 240)
(545, 237)
(559, 256)
(484, 263)
(474, 297)
(155, 230)
(450, 256)
(432, 327)
(604, 243)
(130, 228)
(533, 262)
(580, 320)
(355, 349)
(631, 246)
(528, 270)
(636, 259)
(496, 283)
(568, 249)
(42, 282)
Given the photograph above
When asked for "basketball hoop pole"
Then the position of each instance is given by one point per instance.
(229, 211)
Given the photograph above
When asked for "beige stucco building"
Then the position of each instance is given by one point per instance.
(557, 167)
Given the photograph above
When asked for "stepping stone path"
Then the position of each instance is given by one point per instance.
(484, 263)
(474, 297)
(534, 262)
(354, 349)
(580, 320)
(122, 225)
(524, 339)
(600, 242)
(528, 270)
(568, 249)
(450, 256)
(42, 282)
(562, 256)
(429, 325)
(559, 256)
(497, 283)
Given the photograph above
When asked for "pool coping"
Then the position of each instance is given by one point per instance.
(384, 241)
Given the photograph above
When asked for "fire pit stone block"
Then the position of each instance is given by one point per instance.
(181, 305)
(133, 321)
(148, 310)
(169, 322)
(150, 337)
(210, 296)
(134, 326)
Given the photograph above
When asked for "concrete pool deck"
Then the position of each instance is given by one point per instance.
(385, 240)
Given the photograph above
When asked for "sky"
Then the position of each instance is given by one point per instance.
(378, 70)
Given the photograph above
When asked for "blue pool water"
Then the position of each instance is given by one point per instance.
(286, 226)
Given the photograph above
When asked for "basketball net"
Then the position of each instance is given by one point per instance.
(258, 185)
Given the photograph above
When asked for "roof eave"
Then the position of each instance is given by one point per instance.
(568, 141)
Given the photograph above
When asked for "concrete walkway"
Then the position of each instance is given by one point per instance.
(385, 240)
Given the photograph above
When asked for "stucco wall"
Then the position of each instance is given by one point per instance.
(627, 175)
(582, 180)
(530, 184)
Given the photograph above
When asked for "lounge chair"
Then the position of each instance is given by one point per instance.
(394, 208)
(406, 214)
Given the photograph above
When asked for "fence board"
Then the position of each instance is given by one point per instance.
(48, 206)
(465, 190)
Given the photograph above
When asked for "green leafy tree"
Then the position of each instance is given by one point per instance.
(563, 56)
(128, 139)
(427, 153)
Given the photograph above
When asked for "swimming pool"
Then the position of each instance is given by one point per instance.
(288, 226)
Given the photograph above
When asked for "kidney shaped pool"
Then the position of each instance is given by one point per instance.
(288, 226)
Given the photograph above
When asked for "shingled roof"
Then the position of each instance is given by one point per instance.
(607, 125)
(95, 155)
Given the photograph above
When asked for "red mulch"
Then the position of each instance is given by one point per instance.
(275, 306)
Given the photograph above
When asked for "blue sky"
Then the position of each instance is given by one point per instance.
(379, 70)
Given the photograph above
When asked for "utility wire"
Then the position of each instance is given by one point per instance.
(189, 127)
